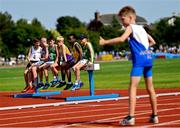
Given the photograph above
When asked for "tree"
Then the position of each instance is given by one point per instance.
(165, 33)
(67, 23)
(17, 39)
(6, 21)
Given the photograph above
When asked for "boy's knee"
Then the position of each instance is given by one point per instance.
(51, 66)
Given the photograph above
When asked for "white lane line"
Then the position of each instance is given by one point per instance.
(84, 101)
(71, 112)
(93, 105)
(79, 117)
(116, 119)
(162, 124)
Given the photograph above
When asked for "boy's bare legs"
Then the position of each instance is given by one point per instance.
(78, 84)
(152, 94)
(130, 120)
(34, 72)
(77, 68)
(55, 73)
(53, 69)
(46, 74)
(132, 94)
(26, 77)
(41, 74)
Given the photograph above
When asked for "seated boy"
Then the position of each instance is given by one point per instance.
(88, 58)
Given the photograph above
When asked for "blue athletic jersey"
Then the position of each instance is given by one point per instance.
(139, 45)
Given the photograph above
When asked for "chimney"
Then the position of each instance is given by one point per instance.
(97, 16)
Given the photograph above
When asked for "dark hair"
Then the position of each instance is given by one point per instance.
(82, 36)
(73, 35)
(51, 38)
(36, 40)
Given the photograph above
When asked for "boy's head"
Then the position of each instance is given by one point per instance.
(51, 41)
(36, 42)
(43, 42)
(71, 38)
(127, 15)
(83, 38)
(60, 40)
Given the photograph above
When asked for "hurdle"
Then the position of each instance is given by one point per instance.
(90, 69)
(37, 93)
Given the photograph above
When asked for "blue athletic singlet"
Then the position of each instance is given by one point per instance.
(139, 45)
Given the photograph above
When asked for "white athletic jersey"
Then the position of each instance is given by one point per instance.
(139, 45)
(35, 54)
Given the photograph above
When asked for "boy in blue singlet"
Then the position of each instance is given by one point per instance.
(139, 42)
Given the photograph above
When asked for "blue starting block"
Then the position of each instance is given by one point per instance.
(90, 69)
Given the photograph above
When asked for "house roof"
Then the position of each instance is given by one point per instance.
(107, 19)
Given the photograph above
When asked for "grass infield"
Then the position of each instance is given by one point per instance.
(113, 75)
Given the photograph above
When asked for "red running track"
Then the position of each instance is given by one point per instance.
(87, 115)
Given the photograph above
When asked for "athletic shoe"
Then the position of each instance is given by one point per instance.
(68, 85)
(41, 84)
(25, 89)
(77, 86)
(154, 119)
(61, 84)
(54, 82)
(129, 120)
(46, 86)
(80, 85)
(34, 84)
(31, 90)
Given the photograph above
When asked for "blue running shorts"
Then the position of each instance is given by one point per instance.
(139, 71)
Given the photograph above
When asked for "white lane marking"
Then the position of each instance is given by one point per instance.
(79, 117)
(84, 101)
(86, 105)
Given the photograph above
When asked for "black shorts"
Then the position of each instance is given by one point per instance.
(67, 65)
(29, 64)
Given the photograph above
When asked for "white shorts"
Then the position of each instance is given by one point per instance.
(38, 63)
(83, 61)
(49, 63)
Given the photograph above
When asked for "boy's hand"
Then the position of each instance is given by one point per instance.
(101, 41)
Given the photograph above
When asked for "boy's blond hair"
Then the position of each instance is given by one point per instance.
(60, 38)
(127, 10)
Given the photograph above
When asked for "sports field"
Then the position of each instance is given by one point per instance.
(113, 75)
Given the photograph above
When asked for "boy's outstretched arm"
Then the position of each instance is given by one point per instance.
(117, 40)
(151, 41)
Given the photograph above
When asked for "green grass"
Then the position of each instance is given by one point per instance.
(113, 75)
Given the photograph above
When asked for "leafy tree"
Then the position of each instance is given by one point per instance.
(19, 38)
(67, 23)
(166, 33)
(6, 21)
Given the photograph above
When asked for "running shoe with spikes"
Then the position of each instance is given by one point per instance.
(154, 119)
(129, 120)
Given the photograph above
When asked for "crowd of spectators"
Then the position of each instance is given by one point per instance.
(168, 49)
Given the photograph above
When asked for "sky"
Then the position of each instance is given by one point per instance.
(48, 11)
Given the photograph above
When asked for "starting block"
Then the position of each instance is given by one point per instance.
(90, 69)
